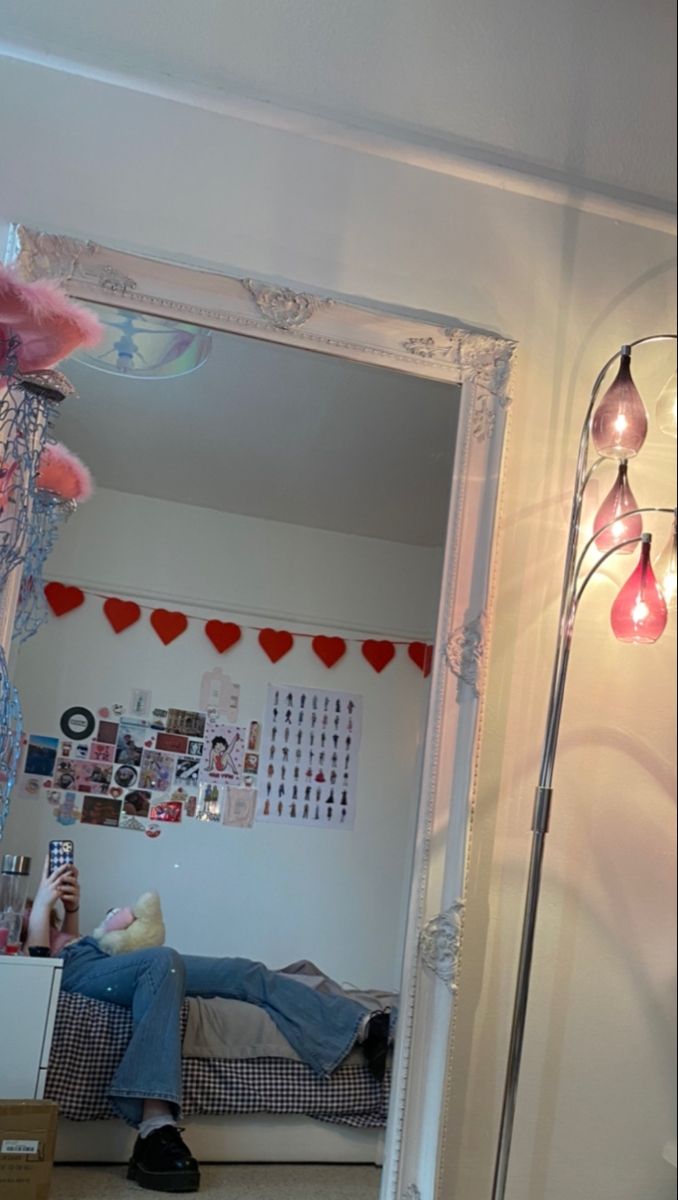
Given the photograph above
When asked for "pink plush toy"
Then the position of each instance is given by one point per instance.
(60, 471)
(132, 928)
(49, 325)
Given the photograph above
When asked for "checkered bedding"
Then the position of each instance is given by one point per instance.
(90, 1039)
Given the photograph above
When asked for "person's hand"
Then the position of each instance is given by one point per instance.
(52, 887)
(69, 890)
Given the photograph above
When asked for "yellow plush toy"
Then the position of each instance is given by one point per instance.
(133, 928)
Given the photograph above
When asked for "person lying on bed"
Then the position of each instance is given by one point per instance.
(146, 1088)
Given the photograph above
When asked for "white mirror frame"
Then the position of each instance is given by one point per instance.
(481, 364)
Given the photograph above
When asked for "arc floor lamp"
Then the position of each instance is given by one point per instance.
(616, 428)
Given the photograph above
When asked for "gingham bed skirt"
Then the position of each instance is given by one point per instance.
(90, 1038)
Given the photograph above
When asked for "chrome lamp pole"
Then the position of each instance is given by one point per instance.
(617, 430)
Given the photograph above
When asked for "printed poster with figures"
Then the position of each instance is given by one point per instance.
(308, 765)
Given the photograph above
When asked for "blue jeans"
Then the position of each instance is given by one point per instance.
(152, 984)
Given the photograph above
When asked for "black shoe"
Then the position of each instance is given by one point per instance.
(162, 1162)
(375, 1045)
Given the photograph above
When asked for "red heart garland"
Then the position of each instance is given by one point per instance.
(378, 654)
(63, 599)
(275, 643)
(422, 656)
(120, 614)
(168, 625)
(223, 634)
(329, 649)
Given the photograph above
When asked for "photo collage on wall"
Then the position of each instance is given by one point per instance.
(309, 758)
(140, 769)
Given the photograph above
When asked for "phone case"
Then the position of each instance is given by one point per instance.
(60, 854)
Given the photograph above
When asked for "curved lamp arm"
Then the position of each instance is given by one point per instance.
(632, 512)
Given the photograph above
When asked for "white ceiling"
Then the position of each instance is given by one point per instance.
(274, 432)
(578, 88)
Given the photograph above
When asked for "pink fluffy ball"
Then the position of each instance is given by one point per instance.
(47, 323)
(63, 473)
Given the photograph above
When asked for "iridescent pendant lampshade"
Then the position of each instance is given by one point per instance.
(620, 528)
(639, 613)
(667, 405)
(619, 424)
(667, 569)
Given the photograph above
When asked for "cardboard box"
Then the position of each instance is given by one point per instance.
(27, 1137)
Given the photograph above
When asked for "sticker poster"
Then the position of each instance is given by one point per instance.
(308, 762)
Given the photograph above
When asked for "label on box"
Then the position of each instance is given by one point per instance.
(16, 1146)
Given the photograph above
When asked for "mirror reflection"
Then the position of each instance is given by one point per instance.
(224, 715)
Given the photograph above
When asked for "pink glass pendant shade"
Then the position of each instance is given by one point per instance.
(619, 501)
(667, 568)
(620, 421)
(639, 613)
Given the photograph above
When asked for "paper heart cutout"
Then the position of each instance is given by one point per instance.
(63, 599)
(378, 654)
(223, 634)
(120, 614)
(148, 742)
(421, 655)
(168, 625)
(329, 649)
(275, 643)
(47, 783)
(115, 792)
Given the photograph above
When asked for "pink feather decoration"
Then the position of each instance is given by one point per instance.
(63, 473)
(49, 325)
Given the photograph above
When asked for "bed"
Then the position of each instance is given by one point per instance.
(258, 1104)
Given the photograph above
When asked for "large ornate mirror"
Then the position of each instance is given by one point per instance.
(297, 497)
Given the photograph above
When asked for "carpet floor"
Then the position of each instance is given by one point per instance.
(288, 1181)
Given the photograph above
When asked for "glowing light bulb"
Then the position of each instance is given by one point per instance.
(667, 569)
(619, 425)
(639, 613)
(666, 407)
(619, 501)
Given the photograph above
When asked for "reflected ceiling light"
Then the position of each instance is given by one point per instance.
(146, 347)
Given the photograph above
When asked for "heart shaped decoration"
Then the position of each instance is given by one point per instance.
(378, 654)
(148, 742)
(168, 625)
(223, 634)
(329, 649)
(120, 614)
(275, 643)
(115, 792)
(104, 712)
(421, 655)
(47, 783)
(63, 599)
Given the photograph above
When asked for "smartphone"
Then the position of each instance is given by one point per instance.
(61, 854)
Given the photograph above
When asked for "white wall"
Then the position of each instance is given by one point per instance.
(596, 1102)
(273, 893)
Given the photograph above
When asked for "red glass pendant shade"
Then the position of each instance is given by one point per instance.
(619, 501)
(620, 421)
(639, 613)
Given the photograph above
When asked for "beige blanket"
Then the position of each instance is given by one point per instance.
(234, 1029)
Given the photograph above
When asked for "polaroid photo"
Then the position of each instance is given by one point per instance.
(41, 754)
(240, 808)
(190, 724)
(130, 742)
(102, 752)
(174, 743)
(92, 777)
(211, 801)
(195, 748)
(136, 803)
(140, 702)
(101, 810)
(187, 769)
(168, 811)
(156, 770)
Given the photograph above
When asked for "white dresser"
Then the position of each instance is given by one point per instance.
(29, 991)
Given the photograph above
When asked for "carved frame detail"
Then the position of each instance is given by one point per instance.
(479, 364)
